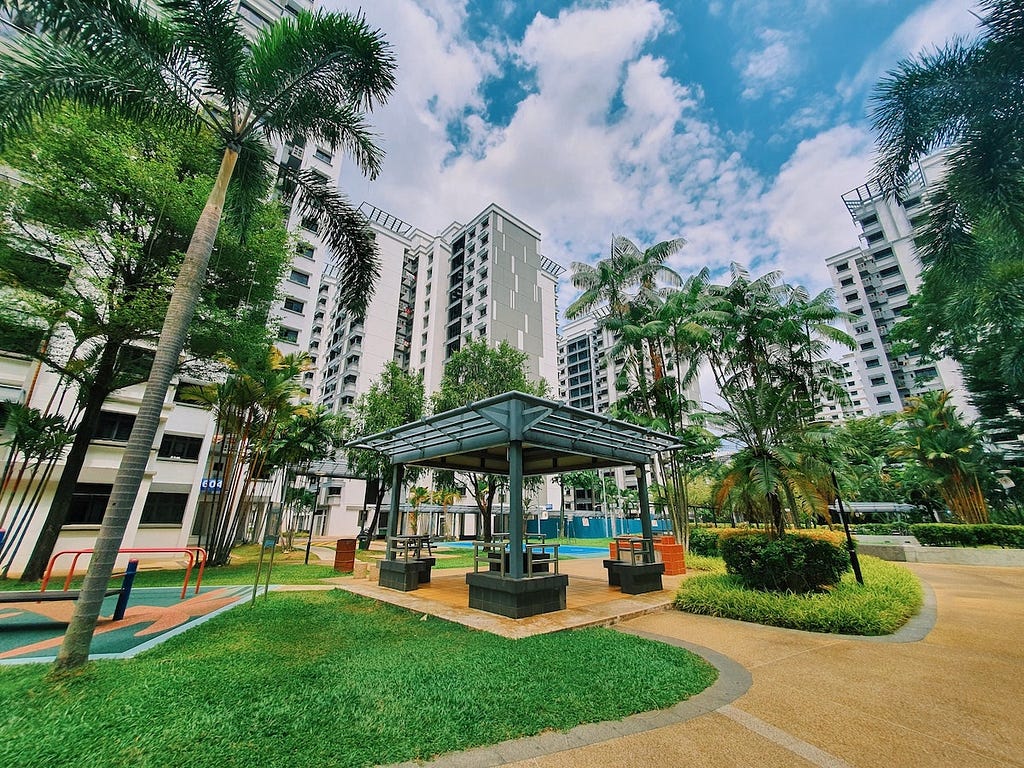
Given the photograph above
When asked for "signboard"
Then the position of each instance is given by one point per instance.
(211, 484)
(273, 529)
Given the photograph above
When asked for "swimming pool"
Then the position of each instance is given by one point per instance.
(563, 549)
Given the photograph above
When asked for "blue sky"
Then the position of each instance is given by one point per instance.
(736, 124)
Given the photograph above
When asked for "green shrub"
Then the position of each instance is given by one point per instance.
(955, 535)
(704, 541)
(786, 564)
(890, 595)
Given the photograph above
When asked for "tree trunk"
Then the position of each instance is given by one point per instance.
(74, 651)
(95, 396)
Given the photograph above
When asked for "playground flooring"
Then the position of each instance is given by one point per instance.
(33, 631)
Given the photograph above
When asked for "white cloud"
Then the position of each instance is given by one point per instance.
(605, 142)
(927, 28)
(769, 69)
(808, 220)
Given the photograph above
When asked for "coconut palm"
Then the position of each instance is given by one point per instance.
(188, 63)
(417, 495)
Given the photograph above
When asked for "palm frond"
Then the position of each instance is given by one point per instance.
(344, 229)
(325, 58)
(209, 30)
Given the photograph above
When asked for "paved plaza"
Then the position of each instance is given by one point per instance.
(789, 698)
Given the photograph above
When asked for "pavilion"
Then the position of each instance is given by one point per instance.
(518, 435)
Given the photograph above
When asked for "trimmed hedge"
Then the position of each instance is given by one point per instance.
(957, 535)
(791, 563)
(704, 541)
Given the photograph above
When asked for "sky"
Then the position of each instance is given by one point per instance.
(734, 124)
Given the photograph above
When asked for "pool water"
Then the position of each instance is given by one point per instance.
(563, 549)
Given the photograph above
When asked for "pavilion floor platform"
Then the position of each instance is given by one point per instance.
(589, 600)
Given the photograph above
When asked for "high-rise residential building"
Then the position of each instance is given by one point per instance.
(483, 280)
(856, 400)
(873, 283)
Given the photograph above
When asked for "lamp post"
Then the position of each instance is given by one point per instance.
(851, 548)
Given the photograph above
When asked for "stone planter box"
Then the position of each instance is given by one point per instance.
(404, 575)
(517, 598)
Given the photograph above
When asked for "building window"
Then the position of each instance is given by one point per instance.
(114, 426)
(300, 278)
(180, 447)
(872, 363)
(845, 266)
(88, 503)
(867, 345)
(310, 223)
(875, 237)
(884, 399)
(305, 250)
(323, 155)
(846, 282)
(288, 334)
(164, 508)
(897, 290)
(877, 381)
(890, 271)
(294, 305)
(850, 297)
(868, 220)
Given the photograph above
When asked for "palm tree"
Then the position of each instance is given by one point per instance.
(187, 62)
(417, 495)
(764, 344)
(966, 96)
(948, 450)
(252, 406)
(445, 497)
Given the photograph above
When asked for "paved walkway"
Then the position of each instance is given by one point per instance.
(792, 698)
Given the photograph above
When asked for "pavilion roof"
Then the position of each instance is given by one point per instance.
(556, 438)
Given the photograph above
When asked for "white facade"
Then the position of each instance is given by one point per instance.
(873, 283)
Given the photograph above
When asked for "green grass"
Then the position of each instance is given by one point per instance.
(705, 564)
(890, 596)
(328, 678)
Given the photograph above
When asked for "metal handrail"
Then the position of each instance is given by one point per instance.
(485, 551)
(194, 554)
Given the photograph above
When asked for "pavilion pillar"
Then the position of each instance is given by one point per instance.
(397, 478)
(645, 510)
(515, 491)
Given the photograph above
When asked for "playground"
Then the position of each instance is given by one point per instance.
(33, 630)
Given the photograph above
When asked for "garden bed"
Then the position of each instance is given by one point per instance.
(889, 597)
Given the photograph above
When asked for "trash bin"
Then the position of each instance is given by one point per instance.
(364, 539)
(345, 555)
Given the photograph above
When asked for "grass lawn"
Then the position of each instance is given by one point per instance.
(890, 596)
(329, 678)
